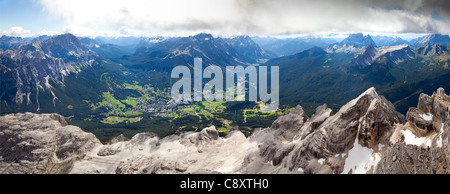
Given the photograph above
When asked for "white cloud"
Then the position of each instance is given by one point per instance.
(175, 17)
(47, 32)
(16, 31)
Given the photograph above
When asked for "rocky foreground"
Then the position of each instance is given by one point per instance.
(367, 135)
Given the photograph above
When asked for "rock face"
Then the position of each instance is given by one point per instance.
(421, 144)
(367, 135)
(327, 143)
(32, 143)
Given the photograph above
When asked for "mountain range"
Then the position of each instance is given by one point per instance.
(124, 89)
(103, 105)
(289, 46)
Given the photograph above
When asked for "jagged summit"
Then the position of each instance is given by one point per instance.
(358, 39)
(354, 43)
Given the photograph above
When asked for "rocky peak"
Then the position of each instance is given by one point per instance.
(421, 145)
(364, 59)
(326, 142)
(358, 39)
(354, 43)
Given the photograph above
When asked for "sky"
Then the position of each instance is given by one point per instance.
(223, 17)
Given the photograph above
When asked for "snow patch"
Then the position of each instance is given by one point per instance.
(380, 146)
(46, 82)
(412, 139)
(360, 159)
(427, 117)
(439, 140)
(321, 161)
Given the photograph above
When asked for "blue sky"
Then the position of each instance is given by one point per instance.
(27, 14)
(405, 18)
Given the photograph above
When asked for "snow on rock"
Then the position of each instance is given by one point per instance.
(321, 161)
(439, 140)
(427, 117)
(412, 139)
(360, 159)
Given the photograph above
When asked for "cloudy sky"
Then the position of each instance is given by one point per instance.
(222, 17)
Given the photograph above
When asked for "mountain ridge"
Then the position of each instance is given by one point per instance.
(29, 66)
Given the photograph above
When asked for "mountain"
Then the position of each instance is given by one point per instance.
(353, 43)
(7, 42)
(434, 50)
(366, 58)
(290, 46)
(248, 48)
(105, 50)
(390, 54)
(367, 135)
(150, 41)
(422, 138)
(358, 39)
(181, 51)
(29, 67)
(388, 41)
(431, 40)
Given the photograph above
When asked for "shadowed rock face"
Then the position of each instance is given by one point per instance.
(367, 135)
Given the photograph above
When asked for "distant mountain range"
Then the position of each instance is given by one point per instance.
(317, 76)
(388, 41)
(431, 40)
(289, 46)
(166, 54)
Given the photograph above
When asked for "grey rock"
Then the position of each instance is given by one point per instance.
(33, 143)
(410, 158)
